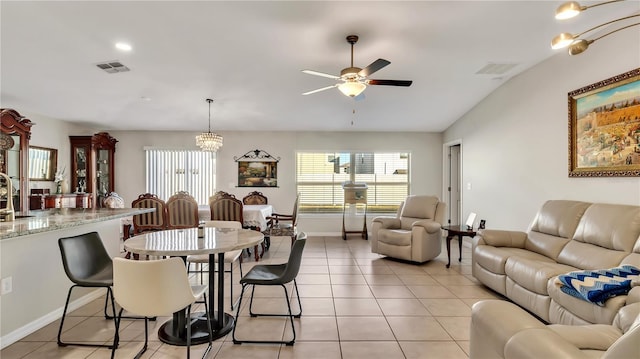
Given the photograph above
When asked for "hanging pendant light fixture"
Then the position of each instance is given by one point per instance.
(208, 141)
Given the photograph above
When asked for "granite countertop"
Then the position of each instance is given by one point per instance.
(59, 218)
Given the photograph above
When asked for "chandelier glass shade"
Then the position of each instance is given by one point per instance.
(209, 141)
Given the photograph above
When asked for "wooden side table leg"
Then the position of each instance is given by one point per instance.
(449, 250)
(460, 247)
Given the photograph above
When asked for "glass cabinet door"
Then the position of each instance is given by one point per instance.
(80, 184)
(102, 172)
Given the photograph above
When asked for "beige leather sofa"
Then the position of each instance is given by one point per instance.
(414, 234)
(500, 329)
(565, 236)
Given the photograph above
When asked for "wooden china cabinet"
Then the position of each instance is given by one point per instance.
(14, 156)
(92, 165)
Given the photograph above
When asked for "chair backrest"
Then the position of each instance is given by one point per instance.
(418, 207)
(182, 211)
(112, 200)
(151, 288)
(153, 221)
(218, 195)
(83, 257)
(254, 197)
(226, 207)
(295, 258)
(223, 224)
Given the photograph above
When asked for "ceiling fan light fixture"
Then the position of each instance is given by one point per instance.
(352, 88)
(209, 141)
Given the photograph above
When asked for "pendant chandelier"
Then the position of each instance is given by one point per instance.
(209, 141)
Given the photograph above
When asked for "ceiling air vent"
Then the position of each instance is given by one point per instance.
(496, 68)
(112, 67)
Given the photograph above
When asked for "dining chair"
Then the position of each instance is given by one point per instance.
(278, 226)
(272, 275)
(229, 257)
(152, 221)
(226, 207)
(182, 211)
(87, 264)
(255, 197)
(155, 288)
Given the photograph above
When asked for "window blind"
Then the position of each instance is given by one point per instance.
(319, 178)
(171, 170)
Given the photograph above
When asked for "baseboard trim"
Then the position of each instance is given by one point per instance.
(47, 319)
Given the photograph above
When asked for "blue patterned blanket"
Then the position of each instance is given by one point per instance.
(596, 286)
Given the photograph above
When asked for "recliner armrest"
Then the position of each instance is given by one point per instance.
(502, 238)
(429, 225)
(387, 222)
(540, 343)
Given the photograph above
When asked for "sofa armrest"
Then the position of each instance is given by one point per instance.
(501, 238)
(387, 222)
(429, 225)
(540, 343)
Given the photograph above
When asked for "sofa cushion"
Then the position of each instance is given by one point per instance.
(495, 258)
(533, 273)
(610, 226)
(588, 256)
(559, 217)
(397, 237)
(586, 311)
(554, 225)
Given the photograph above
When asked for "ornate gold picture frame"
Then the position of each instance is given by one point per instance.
(604, 128)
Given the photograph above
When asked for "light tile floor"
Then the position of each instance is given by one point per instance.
(355, 305)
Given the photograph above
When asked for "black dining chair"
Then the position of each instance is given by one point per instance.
(274, 274)
(87, 264)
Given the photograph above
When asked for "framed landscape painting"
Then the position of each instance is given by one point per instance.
(604, 128)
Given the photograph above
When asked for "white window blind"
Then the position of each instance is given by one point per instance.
(319, 178)
(171, 170)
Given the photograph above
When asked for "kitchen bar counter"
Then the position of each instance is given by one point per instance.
(30, 261)
(61, 218)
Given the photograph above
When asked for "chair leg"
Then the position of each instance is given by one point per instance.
(233, 332)
(209, 328)
(64, 314)
(289, 314)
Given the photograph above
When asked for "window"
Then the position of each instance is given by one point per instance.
(169, 171)
(319, 178)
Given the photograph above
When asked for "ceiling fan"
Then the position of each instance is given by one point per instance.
(354, 80)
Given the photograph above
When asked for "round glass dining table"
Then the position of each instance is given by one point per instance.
(184, 242)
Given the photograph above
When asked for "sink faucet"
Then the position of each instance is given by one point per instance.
(7, 214)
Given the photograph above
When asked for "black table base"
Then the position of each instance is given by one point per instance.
(199, 332)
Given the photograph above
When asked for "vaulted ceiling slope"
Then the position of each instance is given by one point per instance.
(248, 56)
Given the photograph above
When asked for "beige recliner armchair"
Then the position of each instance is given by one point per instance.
(414, 234)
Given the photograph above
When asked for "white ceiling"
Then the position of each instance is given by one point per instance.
(248, 56)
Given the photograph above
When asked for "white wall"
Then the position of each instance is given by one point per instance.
(515, 142)
(425, 148)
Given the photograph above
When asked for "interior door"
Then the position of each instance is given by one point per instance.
(454, 184)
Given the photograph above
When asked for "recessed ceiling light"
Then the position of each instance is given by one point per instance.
(123, 46)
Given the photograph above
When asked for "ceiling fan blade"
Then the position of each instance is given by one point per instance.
(390, 82)
(373, 67)
(316, 73)
(321, 89)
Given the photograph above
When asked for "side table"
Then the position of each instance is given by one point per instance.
(459, 230)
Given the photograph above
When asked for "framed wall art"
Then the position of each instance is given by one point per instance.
(257, 168)
(604, 128)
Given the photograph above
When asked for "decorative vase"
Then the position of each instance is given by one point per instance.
(58, 188)
(64, 186)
